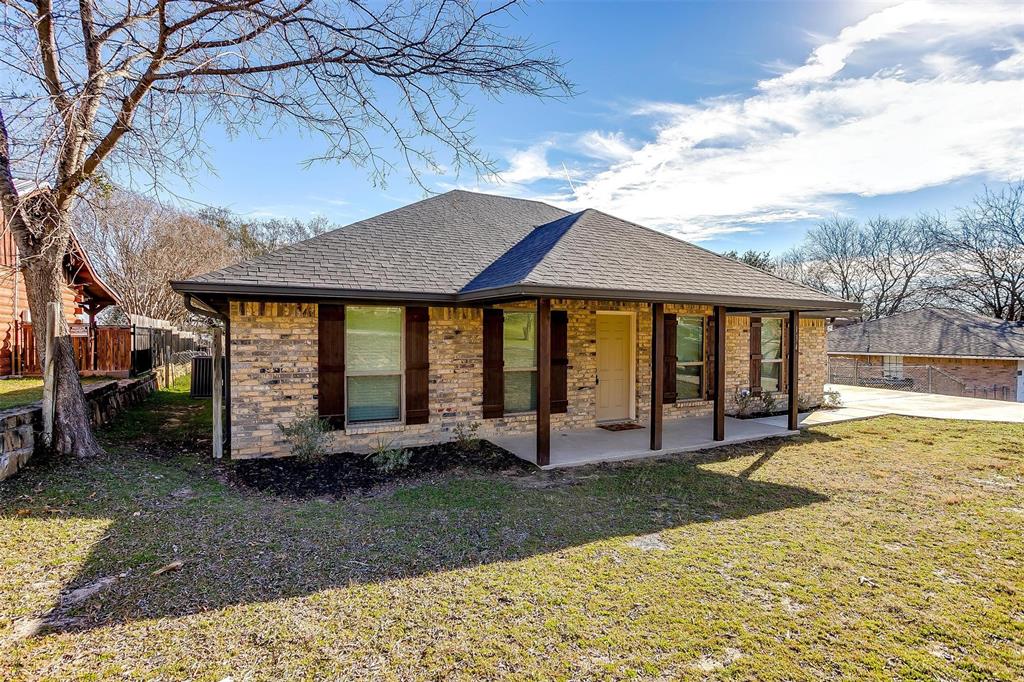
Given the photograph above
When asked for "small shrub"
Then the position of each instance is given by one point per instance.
(389, 459)
(832, 400)
(745, 400)
(769, 402)
(308, 437)
(466, 439)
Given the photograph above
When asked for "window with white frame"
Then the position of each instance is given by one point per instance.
(373, 363)
(892, 366)
(771, 354)
(520, 356)
(689, 358)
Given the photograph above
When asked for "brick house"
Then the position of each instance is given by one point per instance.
(968, 354)
(512, 314)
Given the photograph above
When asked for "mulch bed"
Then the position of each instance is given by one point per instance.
(761, 415)
(343, 474)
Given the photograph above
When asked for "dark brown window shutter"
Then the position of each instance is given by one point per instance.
(669, 395)
(331, 364)
(709, 358)
(417, 365)
(494, 363)
(755, 355)
(559, 361)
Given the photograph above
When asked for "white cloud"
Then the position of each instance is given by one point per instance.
(606, 146)
(916, 95)
(529, 165)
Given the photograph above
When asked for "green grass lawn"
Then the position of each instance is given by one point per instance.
(18, 392)
(874, 549)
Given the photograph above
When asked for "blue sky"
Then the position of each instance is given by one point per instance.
(733, 124)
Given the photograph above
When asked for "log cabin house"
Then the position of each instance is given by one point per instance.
(84, 296)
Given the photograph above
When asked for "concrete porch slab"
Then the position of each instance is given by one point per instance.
(591, 446)
(820, 417)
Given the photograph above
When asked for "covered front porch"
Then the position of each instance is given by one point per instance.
(595, 445)
(584, 445)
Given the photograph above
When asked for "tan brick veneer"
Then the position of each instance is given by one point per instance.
(274, 360)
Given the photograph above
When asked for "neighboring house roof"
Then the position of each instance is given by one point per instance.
(465, 246)
(83, 273)
(931, 332)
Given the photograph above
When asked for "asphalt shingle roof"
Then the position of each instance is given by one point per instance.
(595, 250)
(931, 331)
(432, 246)
(464, 243)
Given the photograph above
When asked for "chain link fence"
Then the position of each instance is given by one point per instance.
(912, 378)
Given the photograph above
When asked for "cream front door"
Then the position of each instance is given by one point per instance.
(614, 377)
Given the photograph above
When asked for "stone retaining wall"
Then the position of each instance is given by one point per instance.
(21, 427)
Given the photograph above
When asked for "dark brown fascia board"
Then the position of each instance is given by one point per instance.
(263, 291)
(506, 294)
(804, 312)
(773, 304)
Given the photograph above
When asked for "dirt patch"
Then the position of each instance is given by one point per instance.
(648, 542)
(340, 475)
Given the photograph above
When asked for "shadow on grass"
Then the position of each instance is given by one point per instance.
(238, 547)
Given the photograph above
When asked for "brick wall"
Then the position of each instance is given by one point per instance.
(274, 357)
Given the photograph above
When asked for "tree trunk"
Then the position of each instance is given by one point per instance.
(43, 247)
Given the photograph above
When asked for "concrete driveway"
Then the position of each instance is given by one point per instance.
(862, 401)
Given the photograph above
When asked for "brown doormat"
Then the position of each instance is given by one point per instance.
(620, 426)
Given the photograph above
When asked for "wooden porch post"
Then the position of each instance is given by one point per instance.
(657, 372)
(719, 418)
(793, 369)
(92, 338)
(218, 395)
(543, 381)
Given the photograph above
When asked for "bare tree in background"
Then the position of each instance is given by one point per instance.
(898, 253)
(836, 247)
(138, 245)
(251, 237)
(883, 265)
(795, 266)
(982, 254)
(757, 259)
(126, 89)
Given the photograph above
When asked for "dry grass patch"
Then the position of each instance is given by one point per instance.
(833, 555)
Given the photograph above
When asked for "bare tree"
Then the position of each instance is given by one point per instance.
(125, 89)
(982, 254)
(836, 247)
(753, 258)
(897, 254)
(883, 264)
(248, 238)
(139, 245)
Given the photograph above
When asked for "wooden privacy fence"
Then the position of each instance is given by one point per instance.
(128, 350)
